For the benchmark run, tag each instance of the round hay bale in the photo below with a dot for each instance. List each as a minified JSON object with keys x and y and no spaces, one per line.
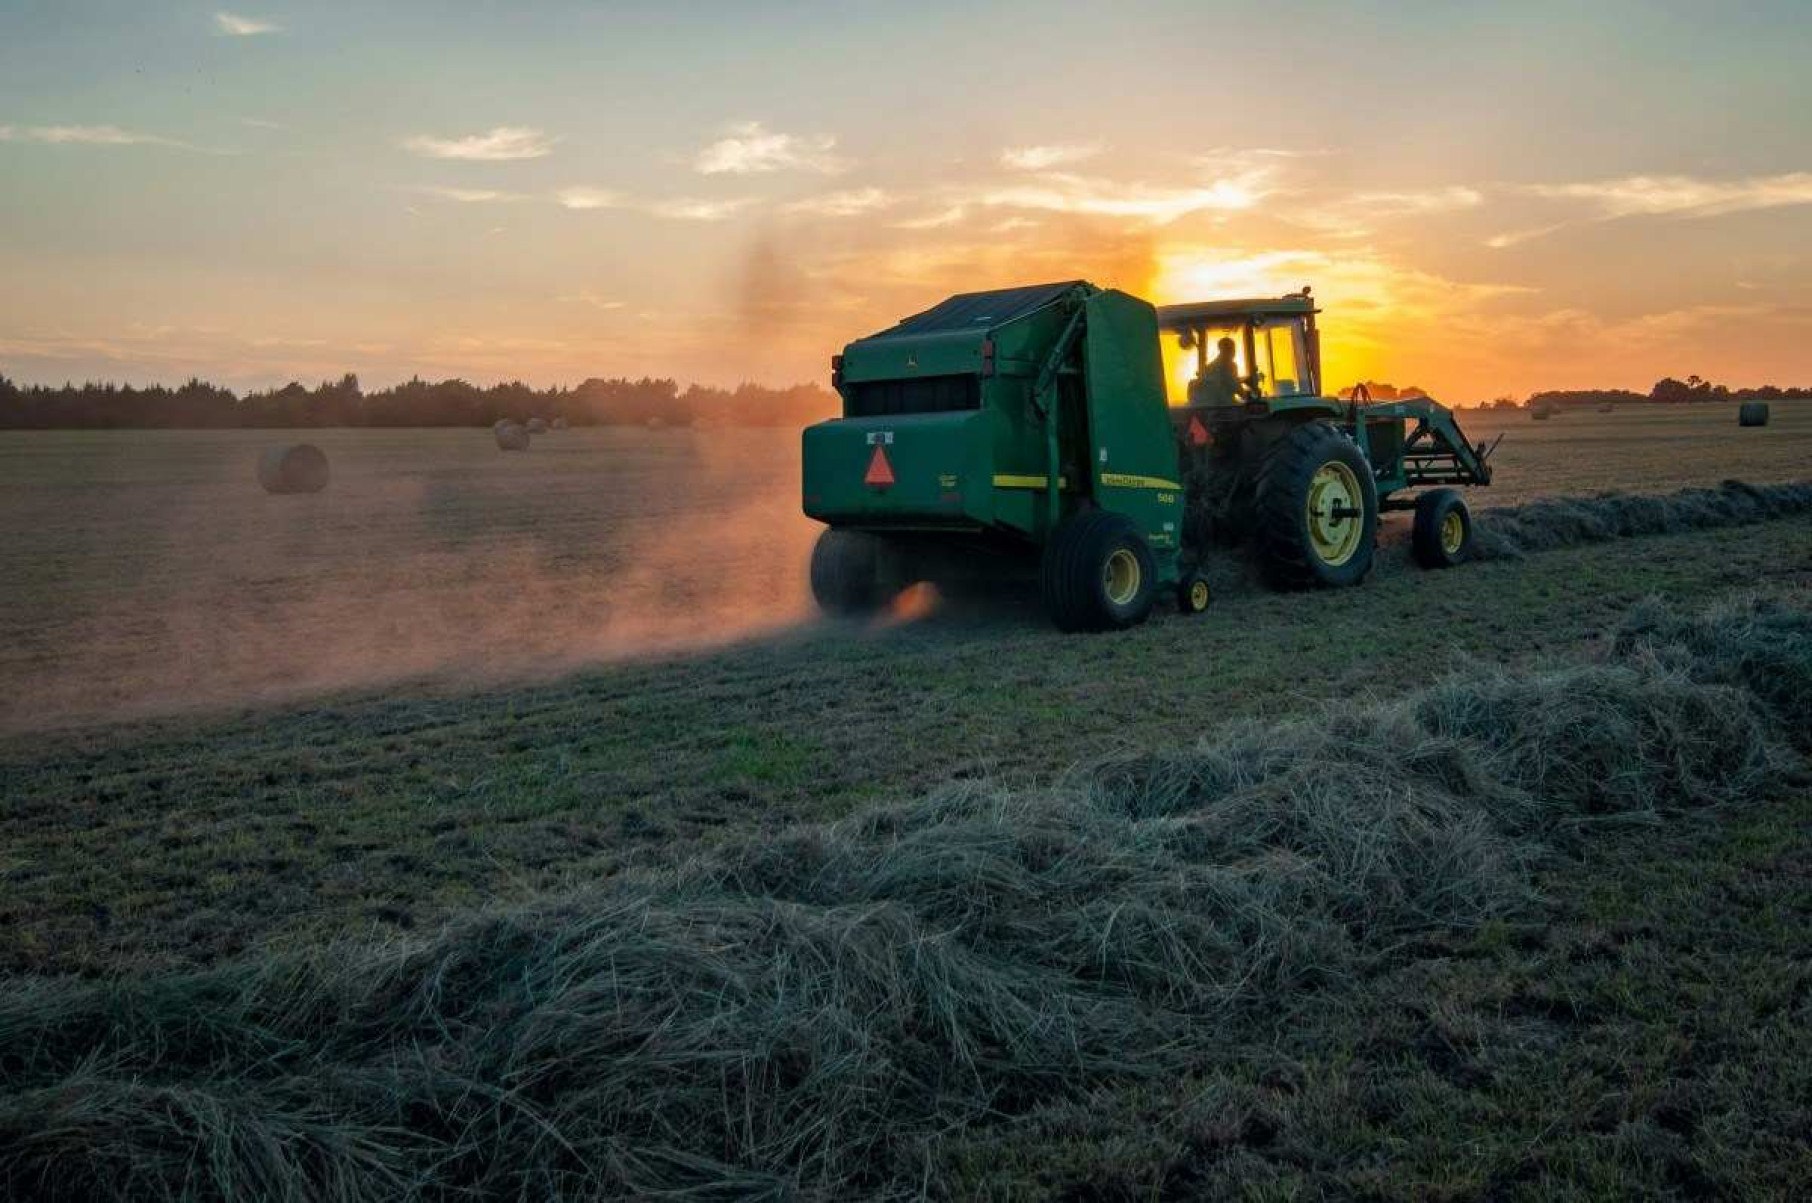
{"x":511,"y":437}
{"x":500,"y":423}
{"x":298,"y":468}
{"x":1541,"y":415}
{"x":1753,"y":413}
{"x":1607,"y":409}
{"x":537,"y":426}
{"x":557,"y":424}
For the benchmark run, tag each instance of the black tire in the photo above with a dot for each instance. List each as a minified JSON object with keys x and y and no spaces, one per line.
{"x":1442,"y":536}
{"x":1193,"y":594}
{"x":1289,"y":555}
{"x":846,"y":572}
{"x":1098,"y":574}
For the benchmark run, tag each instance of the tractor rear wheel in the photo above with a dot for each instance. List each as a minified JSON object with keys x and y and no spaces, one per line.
{"x":1316,"y":510}
{"x":846,"y":572}
{"x":1098,"y":574}
{"x":1442,"y":536}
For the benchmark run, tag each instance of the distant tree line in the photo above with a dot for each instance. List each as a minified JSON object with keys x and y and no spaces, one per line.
{"x":596,"y":402}
{"x":649,"y":401}
{"x":1379,"y":390}
{"x":1667,"y":391}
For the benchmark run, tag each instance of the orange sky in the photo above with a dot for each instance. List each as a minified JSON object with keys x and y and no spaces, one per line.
{"x":1486,"y":200}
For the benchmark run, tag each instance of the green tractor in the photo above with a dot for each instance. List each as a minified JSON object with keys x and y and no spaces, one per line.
{"x":1109,"y":443}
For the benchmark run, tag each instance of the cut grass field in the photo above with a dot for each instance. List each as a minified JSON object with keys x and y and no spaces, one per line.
{"x":144,"y":572}
{"x":1629,"y":1016}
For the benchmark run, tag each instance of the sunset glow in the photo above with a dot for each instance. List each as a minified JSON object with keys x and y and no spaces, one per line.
{"x":718,"y":194}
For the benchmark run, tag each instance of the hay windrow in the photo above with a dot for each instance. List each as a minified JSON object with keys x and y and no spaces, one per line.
{"x":1508,"y":532}
{"x":806,"y":1013}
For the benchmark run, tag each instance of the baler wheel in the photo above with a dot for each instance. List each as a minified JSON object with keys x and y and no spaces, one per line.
{"x":1193,"y":594}
{"x":1098,"y":574}
{"x":1442,"y":535}
{"x":1316,"y":516}
{"x":846,"y":572}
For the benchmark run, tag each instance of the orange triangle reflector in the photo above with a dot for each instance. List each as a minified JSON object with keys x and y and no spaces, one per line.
{"x":1198,"y":434}
{"x":880,"y":472}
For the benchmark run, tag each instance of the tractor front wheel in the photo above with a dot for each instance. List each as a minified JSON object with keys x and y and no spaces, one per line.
{"x":1442,"y":535}
{"x":1316,"y":512}
{"x":1098,"y":574}
{"x":846,"y":572}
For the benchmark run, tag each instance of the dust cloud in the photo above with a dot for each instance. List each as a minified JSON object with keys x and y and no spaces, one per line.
{"x":171,"y":583}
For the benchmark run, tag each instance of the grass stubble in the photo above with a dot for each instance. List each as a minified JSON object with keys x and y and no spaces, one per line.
{"x":858,"y":1008}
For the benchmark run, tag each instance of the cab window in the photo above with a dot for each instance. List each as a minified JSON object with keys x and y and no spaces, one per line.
{"x":1282,"y":358}
{"x":1186,"y":352}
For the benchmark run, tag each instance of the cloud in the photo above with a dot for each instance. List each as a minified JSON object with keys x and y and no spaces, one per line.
{"x":590,"y":299}
{"x":1353,"y":215}
{"x":851,"y":203}
{"x":751,"y":148}
{"x":934,"y":221}
{"x":505,"y":142}
{"x":1043,"y":158}
{"x":1432,"y":200}
{"x":259,"y":123}
{"x":1510,"y":238}
{"x":87,"y":135}
{"x":473,"y":196}
{"x":678,"y":209}
{"x":1677,"y":196}
{"x":589,"y":198}
{"x":1682,"y":196}
{"x":1099,"y":198}
{"x":686,"y":209}
{"x":235,"y":26}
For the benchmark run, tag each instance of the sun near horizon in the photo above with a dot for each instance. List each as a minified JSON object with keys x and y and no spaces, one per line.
{"x":1485,"y":200}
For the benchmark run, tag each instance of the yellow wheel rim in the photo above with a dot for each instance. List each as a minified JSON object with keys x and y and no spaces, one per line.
{"x":1198,"y":595}
{"x":1336,"y":513}
{"x":1121,"y":576}
{"x":1453,"y":532}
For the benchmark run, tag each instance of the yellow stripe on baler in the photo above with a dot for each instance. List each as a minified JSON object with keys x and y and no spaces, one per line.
{"x":1118,"y":480}
{"x":1121,"y":480}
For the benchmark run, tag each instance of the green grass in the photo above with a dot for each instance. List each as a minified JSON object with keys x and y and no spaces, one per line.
{"x":1639,"y":1029}
{"x":1299,"y":957}
{"x":176,"y":841}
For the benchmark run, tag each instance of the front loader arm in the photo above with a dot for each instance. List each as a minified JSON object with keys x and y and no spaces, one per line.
{"x":1436,"y":451}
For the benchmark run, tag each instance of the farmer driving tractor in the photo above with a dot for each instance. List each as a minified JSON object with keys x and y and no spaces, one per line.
{"x":1219,"y":382}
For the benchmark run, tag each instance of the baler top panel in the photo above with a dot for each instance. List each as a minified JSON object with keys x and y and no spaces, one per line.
{"x":979,"y":311}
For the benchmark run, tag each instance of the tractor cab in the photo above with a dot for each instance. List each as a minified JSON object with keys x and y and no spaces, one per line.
{"x":1274,"y":348}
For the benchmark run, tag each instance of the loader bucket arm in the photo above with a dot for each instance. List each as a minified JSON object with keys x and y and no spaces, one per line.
{"x":1436,"y":451}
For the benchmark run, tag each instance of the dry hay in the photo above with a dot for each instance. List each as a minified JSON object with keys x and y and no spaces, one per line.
{"x":1752,"y":413}
{"x":511,"y":437}
{"x":536,"y":426}
{"x":557,"y":424}
{"x":300,"y":468}
{"x":807,"y":1013}
{"x":1549,"y":523}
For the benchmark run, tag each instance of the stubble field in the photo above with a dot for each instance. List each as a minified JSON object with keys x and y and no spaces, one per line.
{"x":237,"y":725}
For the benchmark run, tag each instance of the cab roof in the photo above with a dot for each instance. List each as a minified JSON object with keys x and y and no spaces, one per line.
{"x":1176,"y":317}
